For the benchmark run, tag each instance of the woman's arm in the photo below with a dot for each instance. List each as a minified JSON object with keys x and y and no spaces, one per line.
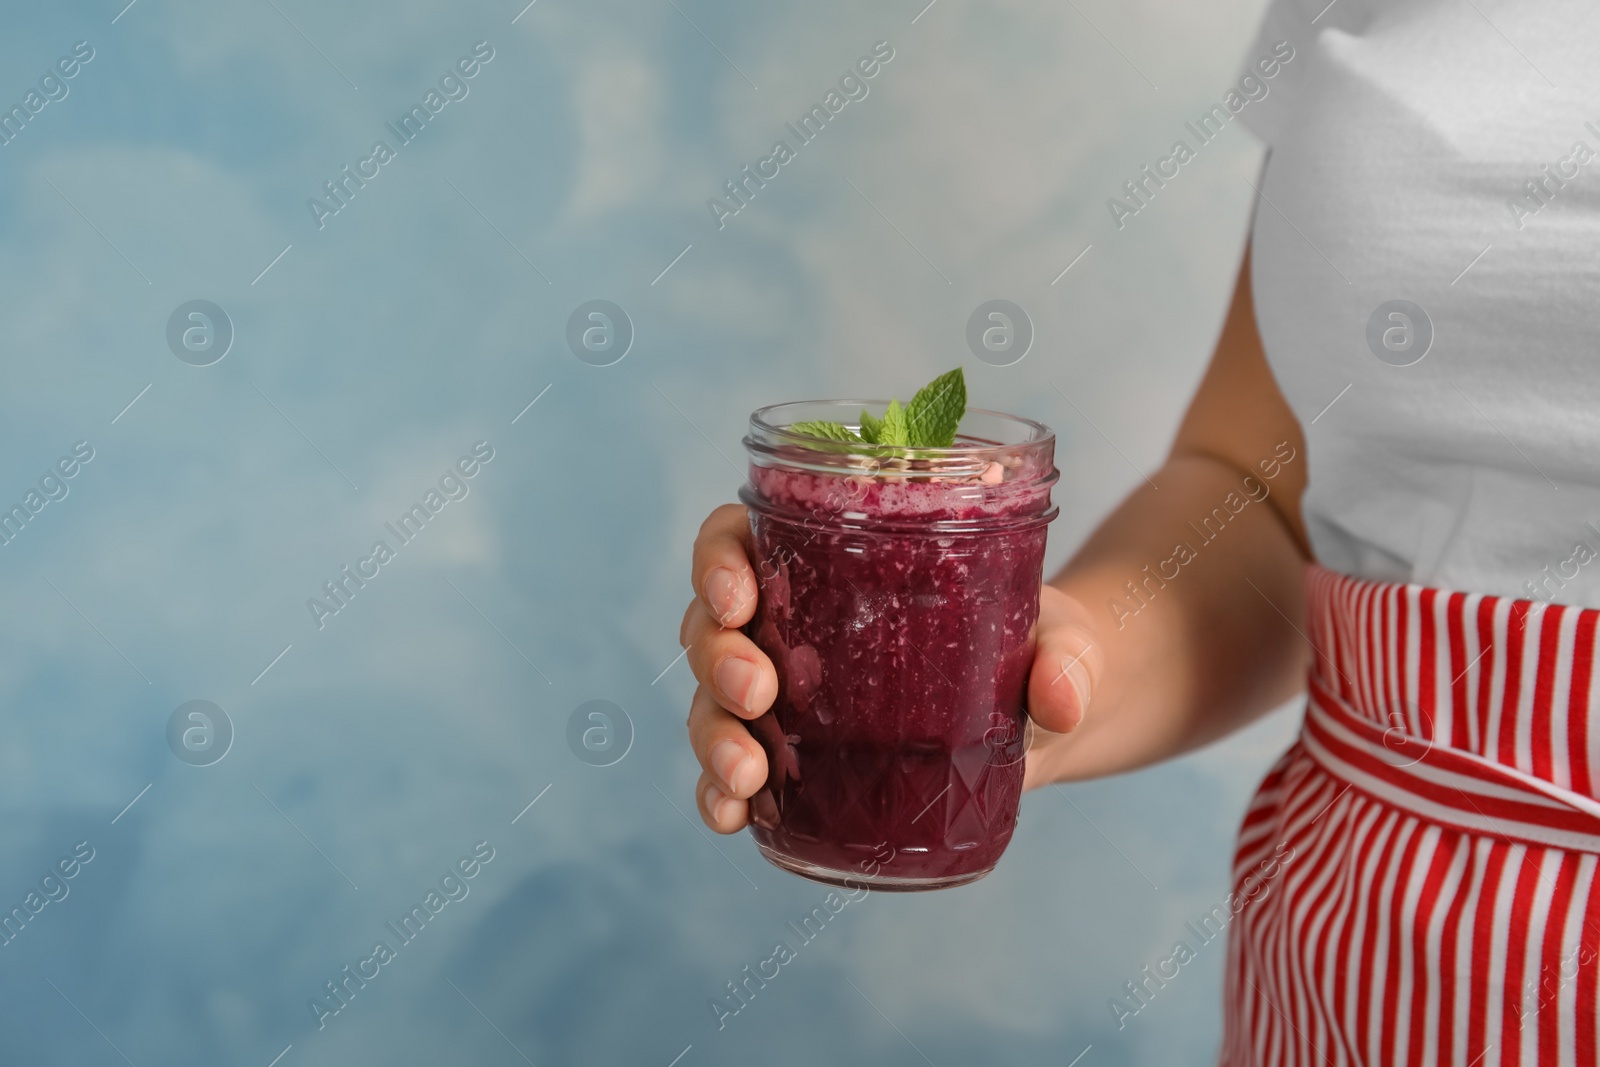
{"x":1210,"y":635}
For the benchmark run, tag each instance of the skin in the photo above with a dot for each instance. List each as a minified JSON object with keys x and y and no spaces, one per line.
{"x":1206,"y":655}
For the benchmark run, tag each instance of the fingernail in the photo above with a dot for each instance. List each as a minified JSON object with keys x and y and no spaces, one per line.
{"x":729,"y":760}
{"x":714,"y":800}
{"x":737,"y":679}
{"x":1080,"y":685}
{"x":722,"y":591}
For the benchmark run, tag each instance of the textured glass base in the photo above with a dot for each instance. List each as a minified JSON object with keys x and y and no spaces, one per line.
{"x":857,"y":879}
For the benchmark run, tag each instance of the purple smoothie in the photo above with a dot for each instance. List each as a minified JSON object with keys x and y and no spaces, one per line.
{"x":898,"y":609}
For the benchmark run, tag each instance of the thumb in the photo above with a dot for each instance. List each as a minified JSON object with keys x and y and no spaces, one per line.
{"x":1067,"y":661}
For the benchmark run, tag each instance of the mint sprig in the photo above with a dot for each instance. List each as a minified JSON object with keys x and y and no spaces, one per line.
{"x":929,"y":421}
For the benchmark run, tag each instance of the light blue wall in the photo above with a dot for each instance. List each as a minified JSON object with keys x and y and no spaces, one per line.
{"x":422,"y":318}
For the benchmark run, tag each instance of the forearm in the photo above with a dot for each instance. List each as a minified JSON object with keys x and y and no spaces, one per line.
{"x":1194,"y":592}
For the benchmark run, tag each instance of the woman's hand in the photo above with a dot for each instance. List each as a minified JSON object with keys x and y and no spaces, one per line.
{"x":738,"y":682}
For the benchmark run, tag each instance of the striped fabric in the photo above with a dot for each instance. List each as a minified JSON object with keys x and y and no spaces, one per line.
{"x":1434,"y":835}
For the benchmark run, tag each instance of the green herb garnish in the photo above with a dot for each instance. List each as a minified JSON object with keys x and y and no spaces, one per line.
{"x":831,"y":431}
{"x":929,"y":421}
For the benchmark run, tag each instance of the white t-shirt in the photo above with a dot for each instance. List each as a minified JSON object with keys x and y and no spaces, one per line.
{"x":1445,"y":153}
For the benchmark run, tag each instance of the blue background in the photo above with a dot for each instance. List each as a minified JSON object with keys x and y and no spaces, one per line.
{"x":424,"y":317}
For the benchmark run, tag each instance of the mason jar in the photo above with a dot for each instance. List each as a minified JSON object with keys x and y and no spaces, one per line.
{"x":898,"y":591}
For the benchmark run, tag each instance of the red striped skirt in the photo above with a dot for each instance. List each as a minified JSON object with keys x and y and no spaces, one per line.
{"x":1417,"y":874}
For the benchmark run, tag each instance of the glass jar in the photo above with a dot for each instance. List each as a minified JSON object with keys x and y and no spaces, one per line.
{"x":899,"y":589}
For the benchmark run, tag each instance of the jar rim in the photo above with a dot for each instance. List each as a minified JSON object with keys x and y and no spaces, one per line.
{"x":763,"y":424}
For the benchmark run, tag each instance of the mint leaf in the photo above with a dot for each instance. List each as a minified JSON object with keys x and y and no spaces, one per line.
{"x":894,"y":429}
{"x":871,"y":428}
{"x":934,"y":413}
{"x":831,"y":431}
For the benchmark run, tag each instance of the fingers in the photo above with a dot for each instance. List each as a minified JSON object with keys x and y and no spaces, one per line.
{"x":721,"y":573}
{"x":734,"y":764}
{"x":736,"y":678}
{"x":724,"y":814}
{"x":724,"y":747}
{"x":1067,"y":662}
{"x":739,"y":675}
